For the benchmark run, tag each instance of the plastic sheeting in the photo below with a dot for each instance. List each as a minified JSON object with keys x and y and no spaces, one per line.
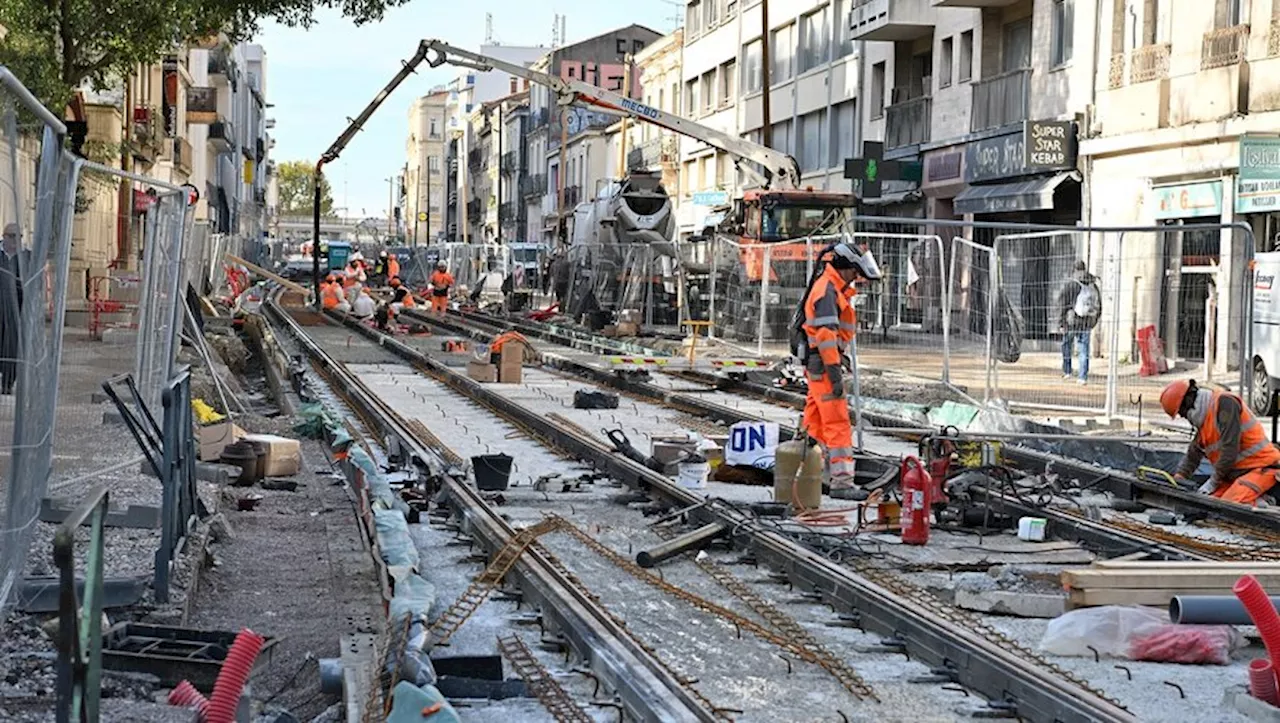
{"x":397,"y":546}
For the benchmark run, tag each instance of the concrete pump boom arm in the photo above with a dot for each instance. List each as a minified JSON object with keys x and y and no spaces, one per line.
{"x":772,"y":169}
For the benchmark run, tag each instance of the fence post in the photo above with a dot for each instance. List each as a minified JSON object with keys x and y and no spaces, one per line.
{"x":764,"y":299}
{"x":711,"y":307}
{"x":945,"y":291}
{"x":80,"y":623}
{"x":1113,"y":357}
{"x":993,"y":296}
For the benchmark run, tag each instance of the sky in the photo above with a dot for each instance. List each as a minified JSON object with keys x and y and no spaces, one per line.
{"x":319,"y":78}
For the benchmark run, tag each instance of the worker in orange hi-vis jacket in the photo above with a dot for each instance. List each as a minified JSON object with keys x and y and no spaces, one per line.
{"x":829,"y":323}
{"x":1245,"y":461}
{"x":441,"y":283}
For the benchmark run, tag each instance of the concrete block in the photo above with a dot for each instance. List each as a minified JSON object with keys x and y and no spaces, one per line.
{"x":112,"y":416}
{"x":1018,"y":604}
{"x":1237,"y":698}
{"x":221,"y":474}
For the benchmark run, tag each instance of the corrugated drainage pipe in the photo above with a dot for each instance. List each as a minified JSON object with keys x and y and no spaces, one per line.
{"x":1264,"y":614}
{"x":1211,"y":610}
{"x":233,"y":676}
{"x":186,"y":696}
{"x":1262,"y":680}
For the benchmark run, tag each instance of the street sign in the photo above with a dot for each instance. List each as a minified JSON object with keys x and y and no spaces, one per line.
{"x":871,"y":170}
{"x":422,"y":215}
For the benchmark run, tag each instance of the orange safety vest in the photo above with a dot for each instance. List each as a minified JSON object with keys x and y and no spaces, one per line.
{"x":496,"y":345}
{"x":830,"y":320}
{"x":330,"y":295}
{"x":393,"y":267}
{"x":1256,"y":451}
{"x":408,"y":299}
{"x":441,"y":279}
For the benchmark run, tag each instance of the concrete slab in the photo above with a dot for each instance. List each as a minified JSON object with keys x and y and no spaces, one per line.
{"x":1239,"y":700}
{"x":1019,"y":604}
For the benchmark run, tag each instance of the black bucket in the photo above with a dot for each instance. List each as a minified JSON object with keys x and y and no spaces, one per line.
{"x":241,"y":454}
{"x":492,"y":471}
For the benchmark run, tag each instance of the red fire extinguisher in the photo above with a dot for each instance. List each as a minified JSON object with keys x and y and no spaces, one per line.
{"x":914,"y":483}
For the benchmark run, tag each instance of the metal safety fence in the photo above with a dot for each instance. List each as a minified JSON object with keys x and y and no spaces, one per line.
{"x":605,"y":279}
{"x":38,"y":182}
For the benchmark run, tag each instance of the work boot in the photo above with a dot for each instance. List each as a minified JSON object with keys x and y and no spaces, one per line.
{"x":853,"y":493}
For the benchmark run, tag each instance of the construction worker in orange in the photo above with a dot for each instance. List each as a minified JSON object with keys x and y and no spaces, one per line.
{"x":441,"y":283}
{"x":393,"y":266}
{"x":829,"y":322}
{"x":331,"y":295}
{"x":1244,"y":460}
{"x":400,"y":296}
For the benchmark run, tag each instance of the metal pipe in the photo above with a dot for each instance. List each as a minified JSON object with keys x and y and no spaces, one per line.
{"x":693,"y":540}
{"x":1211,"y":610}
{"x":331,"y":676}
{"x":1028,"y":435}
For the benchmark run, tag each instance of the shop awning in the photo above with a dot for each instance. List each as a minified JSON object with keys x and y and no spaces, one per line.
{"x":1035,"y":194}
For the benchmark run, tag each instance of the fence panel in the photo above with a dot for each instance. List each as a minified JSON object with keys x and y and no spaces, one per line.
{"x":970,"y":323}
{"x":163,"y":294}
{"x":37,"y":199}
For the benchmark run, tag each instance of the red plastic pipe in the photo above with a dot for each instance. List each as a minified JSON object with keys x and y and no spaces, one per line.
{"x":1258,"y":604}
{"x":186,"y":696}
{"x":233,"y":676}
{"x":1262,"y":680}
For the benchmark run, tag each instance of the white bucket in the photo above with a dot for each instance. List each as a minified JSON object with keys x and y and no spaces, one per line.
{"x":693,"y":475}
{"x":1031,"y":529}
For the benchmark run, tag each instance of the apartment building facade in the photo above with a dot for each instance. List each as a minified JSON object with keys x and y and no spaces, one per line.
{"x":1185,"y":133}
{"x":652,"y":148}
{"x":571,"y":166}
{"x":425,"y":174}
{"x":813,"y":93}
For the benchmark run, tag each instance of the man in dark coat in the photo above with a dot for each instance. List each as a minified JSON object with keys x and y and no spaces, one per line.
{"x":12,"y":263}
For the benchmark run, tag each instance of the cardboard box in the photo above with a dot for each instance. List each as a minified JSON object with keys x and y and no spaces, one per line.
{"x":610,"y":330}
{"x":481,"y":372}
{"x":511,"y":364}
{"x":627,"y":328}
{"x":629,"y":316}
{"x":672,"y":449}
{"x":215,"y":437}
{"x":284,"y":455}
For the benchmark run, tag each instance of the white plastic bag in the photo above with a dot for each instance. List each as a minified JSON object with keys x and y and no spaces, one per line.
{"x":1106,"y":630}
{"x":752,"y":444}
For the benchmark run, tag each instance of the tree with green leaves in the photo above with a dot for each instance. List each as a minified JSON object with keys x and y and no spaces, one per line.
{"x":55,"y":45}
{"x":296,"y":184}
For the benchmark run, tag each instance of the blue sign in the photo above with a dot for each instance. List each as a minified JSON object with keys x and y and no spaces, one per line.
{"x":710,"y":198}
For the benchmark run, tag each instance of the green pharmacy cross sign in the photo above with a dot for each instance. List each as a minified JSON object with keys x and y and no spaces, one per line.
{"x":871,"y":169}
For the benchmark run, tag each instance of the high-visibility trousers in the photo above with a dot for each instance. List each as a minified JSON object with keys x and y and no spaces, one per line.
{"x":826,"y":419}
{"x":439,"y":304}
{"x":1248,"y":487}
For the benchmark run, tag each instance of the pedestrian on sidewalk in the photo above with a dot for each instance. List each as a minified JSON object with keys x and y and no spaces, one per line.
{"x":1080,"y":303}
{"x":13,"y":264}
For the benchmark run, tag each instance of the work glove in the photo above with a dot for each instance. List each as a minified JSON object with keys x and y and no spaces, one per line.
{"x":836,"y":376}
{"x":1208,"y":487}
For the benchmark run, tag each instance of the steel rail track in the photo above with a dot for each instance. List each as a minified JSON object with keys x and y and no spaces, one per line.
{"x":1117,"y":482}
{"x":644,"y":686}
{"x":928,"y":631}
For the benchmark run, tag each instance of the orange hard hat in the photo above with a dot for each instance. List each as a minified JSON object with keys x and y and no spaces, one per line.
{"x":1173,"y":395}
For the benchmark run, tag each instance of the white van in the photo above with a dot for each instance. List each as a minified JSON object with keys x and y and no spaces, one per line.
{"x":1266,"y":332}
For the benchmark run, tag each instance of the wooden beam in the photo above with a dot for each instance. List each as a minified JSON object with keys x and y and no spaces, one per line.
{"x":263,"y":272}
{"x":1155,"y":579}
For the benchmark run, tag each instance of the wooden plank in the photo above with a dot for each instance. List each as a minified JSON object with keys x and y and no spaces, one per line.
{"x":264,"y":272}
{"x":1185,"y":565}
{"x":1118,"y":596}
{"x":1224,"y":579}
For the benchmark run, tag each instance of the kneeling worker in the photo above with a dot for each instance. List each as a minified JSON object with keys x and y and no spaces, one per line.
{"x":1244,"y":460}
{"x":400,"y":296}
{"x":364,"y":306}
{"x":331,"y":297}
{"x":829,"y":323}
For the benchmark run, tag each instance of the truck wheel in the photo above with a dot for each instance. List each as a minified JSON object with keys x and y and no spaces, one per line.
{"x":1261,"y":400}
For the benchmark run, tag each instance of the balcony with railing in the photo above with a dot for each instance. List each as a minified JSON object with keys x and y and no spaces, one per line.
{"x":145,"y":140}
{"x":475,"y":159}
{"x":539,"y":119}
{"x":222,"y":136}
{"x":182,"y":155}
{"x":1001,"y":100}
{"x":202,"y":105}
{"x":534,"y":185}
{"x":1148,"y":63}
{"x":219,"y":65}
{"x":572,"y":197}
{"x":1224,"y":46}
{"x":475,"y":210}
{"x":653,"y":153}
{"x":907,"y":122}
{"x":891,"y":20}
{"x":511,"y":162}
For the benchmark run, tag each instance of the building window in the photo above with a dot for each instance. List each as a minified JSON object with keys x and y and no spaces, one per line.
{"x":814,"y":36}
{"x":433,"y":164}
{"x":702,"y":173}
{"x":843,"y":119}
{"x":751,"y":76}
{"x":944,"y":63}
{"x":708,"y":82}
{"x":724,"y":166}
{"x":691,"y":96}
{"x":712,"y":13}
{"x":782,"y":137}
{"x":1063,"y":30}
{"x":434,"y":132}
{"x":811,"y":141}
{"x":783,"y":53}
{"x":693,"y":18}
{"x":728,"y":82}
{"x":966,"y":56}
{"x":730,"y":9}
{"x":1228,"y":14}
{"x":877,"y":90}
